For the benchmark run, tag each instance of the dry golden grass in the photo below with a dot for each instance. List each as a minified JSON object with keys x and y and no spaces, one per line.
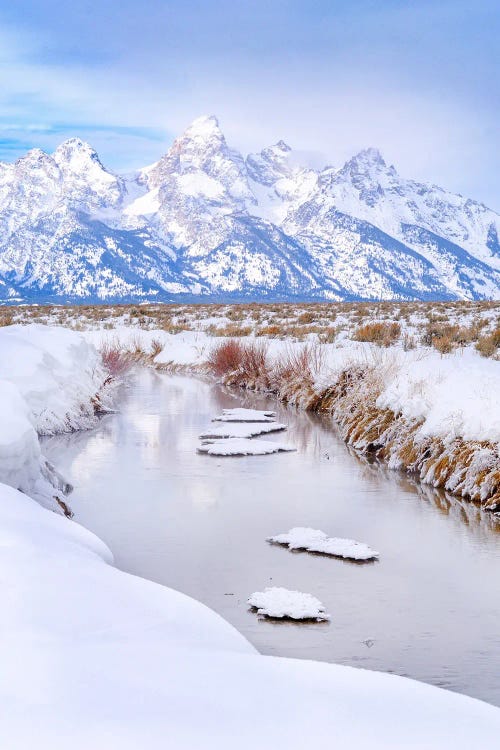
{"x":382,"y":334}
{"x":443,"y":325}
{"x":489,"y":344}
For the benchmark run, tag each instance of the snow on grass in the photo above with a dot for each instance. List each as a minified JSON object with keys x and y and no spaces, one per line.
{"x":242,"y":429}
{"x":313,"y":540}
{"x":242,"y":447}
{"x":280,"y":603}
{"x":245,"y":415}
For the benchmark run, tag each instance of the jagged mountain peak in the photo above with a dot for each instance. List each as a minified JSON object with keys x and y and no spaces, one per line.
{"x":369,"y":163}
{"x":34,"y":155}
{"x":72,"y":147}
{"x":280,"y":147}
{"x":271,"y":164}
{"x":79,"y":156}
{"x":204,"y":127}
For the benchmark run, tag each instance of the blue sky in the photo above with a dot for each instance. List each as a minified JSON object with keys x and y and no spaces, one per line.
{"x":419,"y":80}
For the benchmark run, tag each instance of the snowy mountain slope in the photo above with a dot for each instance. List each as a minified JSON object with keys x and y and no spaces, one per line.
{"x":205,"y":222}
{"x":366,"y":187}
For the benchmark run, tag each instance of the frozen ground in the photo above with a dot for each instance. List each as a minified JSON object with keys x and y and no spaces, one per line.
{"x":93,"y":657}
{"x":314,"y":540}
{"x":280,"y":603}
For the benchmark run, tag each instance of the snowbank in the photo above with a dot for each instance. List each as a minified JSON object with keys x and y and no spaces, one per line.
{"x":50,"y":379}
{"x":453,"y":394}
{"x":93,"y":657}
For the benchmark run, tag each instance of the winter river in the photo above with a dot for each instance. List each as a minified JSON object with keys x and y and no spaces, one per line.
{"x":428,"y":609}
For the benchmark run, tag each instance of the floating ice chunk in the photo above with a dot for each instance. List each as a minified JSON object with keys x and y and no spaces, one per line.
{"x":242,"y":447}
{"x":242,"y":429}
{"x":292,"y":605}
{"x":313,"y":540}
{"x":245,"y":415}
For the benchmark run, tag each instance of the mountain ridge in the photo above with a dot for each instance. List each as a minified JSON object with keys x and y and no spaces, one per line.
{"x":205,"y":222}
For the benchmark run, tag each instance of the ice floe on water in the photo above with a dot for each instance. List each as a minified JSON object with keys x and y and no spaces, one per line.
{"x":277,"y":602}
{"x":242,"y":429}
{"x":245,"y":415}
{"x":242,"y":447}
{"x":314,"y":540}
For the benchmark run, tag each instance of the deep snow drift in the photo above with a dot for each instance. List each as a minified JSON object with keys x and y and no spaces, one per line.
{"x":51,"y":381}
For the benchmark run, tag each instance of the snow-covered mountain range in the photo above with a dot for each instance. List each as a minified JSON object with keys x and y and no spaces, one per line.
{"x":204,"y":222}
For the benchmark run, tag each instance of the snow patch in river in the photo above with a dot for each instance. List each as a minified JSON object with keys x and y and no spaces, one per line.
{"x":245,"y":415}
{"x":285,"y":604}
{"x":242,"y":429}
{"x":242,"y":447}
{"x":314,"y":540}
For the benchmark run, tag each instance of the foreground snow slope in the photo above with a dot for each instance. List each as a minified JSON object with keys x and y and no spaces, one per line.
{"x":95,"y":658}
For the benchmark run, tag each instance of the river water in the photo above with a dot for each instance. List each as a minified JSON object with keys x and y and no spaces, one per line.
{"x":428,"y":609}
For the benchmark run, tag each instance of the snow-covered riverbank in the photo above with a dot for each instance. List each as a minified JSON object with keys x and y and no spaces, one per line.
{"x":51,"y":381}
{"x":434,"y":415}
{"x":94,"y":657}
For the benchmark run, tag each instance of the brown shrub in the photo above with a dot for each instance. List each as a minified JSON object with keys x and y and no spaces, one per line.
{"x":273,"y":331}
{"x":254,"y":368}
{"x":6,"y":319}
{"x":306,"y":317}
{"x":382,"y":334}
{"x":115,"y":360}
{"x":231,"y":330}
{"x":225,"y":358}
{"x":489,"y":344}
{"x":327,"y":336}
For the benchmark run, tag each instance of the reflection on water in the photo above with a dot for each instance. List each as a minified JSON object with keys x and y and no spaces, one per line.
{"x":429,"y":609}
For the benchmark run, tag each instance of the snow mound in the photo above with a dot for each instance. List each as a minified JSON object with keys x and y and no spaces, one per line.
{"x":314,"y":540}
{"x":51,"y":380}
{"x":245,"y":415}
{"x":292,"y":605}
{"x":242,"y":429}
{"x":242,"y":447}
